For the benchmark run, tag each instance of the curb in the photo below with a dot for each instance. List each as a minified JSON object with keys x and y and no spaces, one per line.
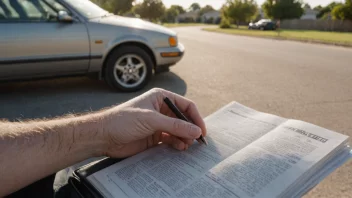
{"x":286,"y":39}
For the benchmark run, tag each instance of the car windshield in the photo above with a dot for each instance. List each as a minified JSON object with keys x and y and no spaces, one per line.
{"x":87,"y":8}
{"x":264,"y":21}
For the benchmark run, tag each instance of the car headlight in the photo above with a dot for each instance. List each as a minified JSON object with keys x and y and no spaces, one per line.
{"x":173,"y":41}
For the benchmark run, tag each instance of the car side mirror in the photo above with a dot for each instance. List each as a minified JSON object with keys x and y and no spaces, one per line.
{"x":63,"y":16}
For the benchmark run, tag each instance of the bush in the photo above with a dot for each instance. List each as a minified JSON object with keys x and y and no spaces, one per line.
{"x":218,"y":20}
{"x":210,"y":20}
{"x":189,"y":20}
{"x":225,"y":23}
{"x":186,"y":20}
{"x":198,"y":20}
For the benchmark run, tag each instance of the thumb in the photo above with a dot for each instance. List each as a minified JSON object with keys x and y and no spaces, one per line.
{"x":176,"y":127}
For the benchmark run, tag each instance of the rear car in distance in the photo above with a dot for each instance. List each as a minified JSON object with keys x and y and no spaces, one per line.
{"x":263,"y":24}
{"x":49,"y":38}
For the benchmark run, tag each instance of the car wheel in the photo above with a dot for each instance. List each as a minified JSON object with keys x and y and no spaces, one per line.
{"x":128,"y":69}
{"x":261,"y":28}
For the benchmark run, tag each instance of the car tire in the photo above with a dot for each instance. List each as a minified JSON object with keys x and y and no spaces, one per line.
{"x":262,"y":28}
{"x":129,"y":68}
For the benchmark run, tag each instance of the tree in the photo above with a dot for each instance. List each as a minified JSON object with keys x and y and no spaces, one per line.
{"x":257,"y":16}
{"x":205,"y":9}
{"x":348,"y":9}
{"x":122,"y":6}
{"x":172,"y":13}
{"x":343,"y":11}
{"x":180,"y":9}
{"x":99,"y":2}
{"x":150,"y":9}
{"x":115,"y":6}
{"x":338,"y":12}
{"x":318,"y":8}
{"x":194,"y":7}
{"x":240,"y":10}
{"x":225,"y":21}
{"x":283,"y":9}
{"x":103,"y":4}
{"x":306,"y":6}
{"x":324,"y":11}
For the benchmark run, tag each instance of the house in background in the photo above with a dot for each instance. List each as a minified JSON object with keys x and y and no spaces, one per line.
{"x":212,"y":15}
{"x":309,"y":14}
{"x":187,"y":17}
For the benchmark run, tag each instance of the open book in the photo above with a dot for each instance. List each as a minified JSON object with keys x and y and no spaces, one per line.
{"x":250,"y":154}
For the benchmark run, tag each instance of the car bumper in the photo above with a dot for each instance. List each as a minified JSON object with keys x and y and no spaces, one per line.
{"x":169,"y":55}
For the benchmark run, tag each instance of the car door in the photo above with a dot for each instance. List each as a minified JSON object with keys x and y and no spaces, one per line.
{"x":34,"y":43}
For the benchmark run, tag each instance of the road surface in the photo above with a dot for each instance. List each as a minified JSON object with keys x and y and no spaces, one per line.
{"x":296,"y":80}
{"x":309,"y":82}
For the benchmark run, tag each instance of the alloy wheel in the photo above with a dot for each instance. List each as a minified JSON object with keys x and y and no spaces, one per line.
{"x":130,"y":70}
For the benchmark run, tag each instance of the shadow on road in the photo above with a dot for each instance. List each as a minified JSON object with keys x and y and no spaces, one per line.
{"x":57,"y":97}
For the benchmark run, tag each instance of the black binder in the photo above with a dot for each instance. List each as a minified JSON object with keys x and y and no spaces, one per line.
{"x":80,"y":182}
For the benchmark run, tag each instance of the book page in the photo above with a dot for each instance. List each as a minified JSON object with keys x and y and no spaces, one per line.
{"x":165,"y":172}
{"x":273,"y":164}
{"x":321,"y":173}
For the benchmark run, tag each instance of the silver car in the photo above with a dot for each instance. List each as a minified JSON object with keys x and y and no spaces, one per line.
{"x":47,"y":38}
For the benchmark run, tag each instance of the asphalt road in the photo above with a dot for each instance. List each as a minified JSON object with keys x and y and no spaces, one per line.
{"x":303,"y":81}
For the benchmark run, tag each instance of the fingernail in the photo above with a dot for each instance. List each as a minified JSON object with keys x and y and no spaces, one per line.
{"x":195,"y":131}
{"x":180,"y":146}
{"x":175,"y":145}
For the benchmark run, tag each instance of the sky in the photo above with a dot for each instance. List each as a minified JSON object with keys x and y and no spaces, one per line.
{"x":218,"y":3}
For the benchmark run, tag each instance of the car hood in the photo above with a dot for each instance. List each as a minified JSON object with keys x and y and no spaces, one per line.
{"x":133,"y":23}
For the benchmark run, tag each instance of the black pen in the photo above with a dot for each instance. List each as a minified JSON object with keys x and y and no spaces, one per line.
{"x":179,"y":115}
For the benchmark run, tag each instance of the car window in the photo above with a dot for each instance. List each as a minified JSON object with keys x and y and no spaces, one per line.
{"x":26,"y":10}
{"x":8,"y":11}
{"x":2,"y":13}
{"x":87,"y":8}
{"x":57,"y":6}
{"x":31,"y":9}
{"x":48,"y":10}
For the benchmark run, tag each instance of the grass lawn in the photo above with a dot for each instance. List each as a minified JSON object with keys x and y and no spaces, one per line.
{"x":183,"y":24}
{"x":302,"y":35}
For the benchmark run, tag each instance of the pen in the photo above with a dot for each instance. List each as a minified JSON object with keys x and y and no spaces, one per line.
{"x":179,"y":115}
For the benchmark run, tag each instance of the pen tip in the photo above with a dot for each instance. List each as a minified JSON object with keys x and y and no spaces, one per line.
{"x":203,"y":140}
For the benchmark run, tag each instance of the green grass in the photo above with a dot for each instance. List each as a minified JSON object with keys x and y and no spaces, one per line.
{"x":183,"y":24}
{"x":338,"y":38}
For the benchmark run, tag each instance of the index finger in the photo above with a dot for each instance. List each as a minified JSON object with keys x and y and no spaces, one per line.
{"x":186,"y":106}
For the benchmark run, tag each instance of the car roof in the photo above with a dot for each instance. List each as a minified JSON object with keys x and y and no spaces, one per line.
{"x":265,"y":20}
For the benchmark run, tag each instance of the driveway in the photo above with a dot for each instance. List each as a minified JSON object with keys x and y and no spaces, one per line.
{"x":296,"y":80}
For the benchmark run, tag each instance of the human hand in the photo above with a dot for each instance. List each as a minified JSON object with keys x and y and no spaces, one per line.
{"x":146,"y":121}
